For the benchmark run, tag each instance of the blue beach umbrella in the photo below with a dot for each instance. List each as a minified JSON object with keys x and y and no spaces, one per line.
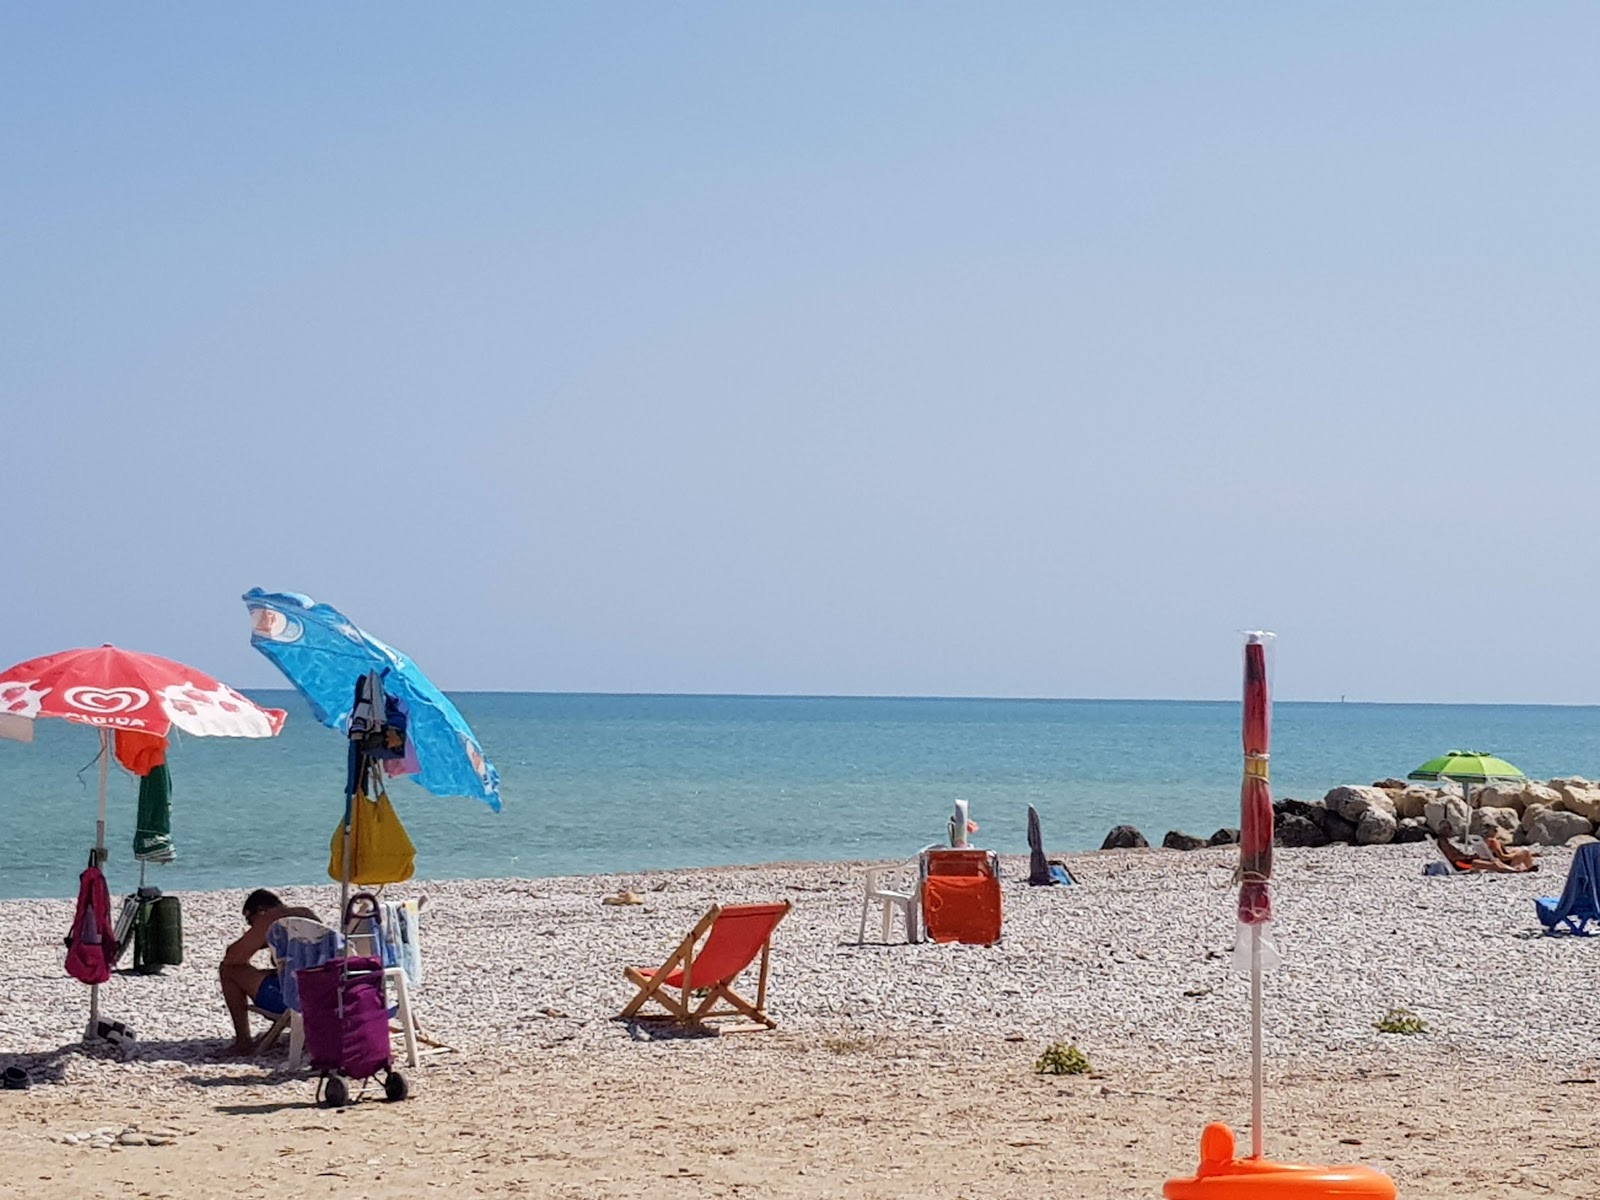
{"x":324,"y":654}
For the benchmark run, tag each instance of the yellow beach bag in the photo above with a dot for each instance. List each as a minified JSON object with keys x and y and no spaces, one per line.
{"x":382,"y":852}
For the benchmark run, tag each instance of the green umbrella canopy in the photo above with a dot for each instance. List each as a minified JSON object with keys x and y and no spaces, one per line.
{"x":1467,"y":766}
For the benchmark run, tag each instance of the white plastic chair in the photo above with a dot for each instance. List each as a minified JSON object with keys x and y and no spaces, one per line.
{"x":887,"y":901}
{"x":363,"y":938}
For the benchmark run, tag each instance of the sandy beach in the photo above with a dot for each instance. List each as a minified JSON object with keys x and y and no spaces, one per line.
{"x":896,"y":1070}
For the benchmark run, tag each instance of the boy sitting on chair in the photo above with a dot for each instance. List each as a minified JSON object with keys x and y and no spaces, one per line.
{"x":244,"y":983}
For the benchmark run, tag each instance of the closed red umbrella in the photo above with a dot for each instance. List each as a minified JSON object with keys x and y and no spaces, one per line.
{"x":1255,"y":792}
{"x":1221,"y":1174}
{"x":1255,"y":852}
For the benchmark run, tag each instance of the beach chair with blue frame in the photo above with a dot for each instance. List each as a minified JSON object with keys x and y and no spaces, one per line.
{"x":1579,"y":902}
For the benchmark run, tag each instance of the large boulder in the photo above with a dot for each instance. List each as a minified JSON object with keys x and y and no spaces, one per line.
{"x":1352,"y":803}
{"x":1295,"y":830}
{"x":1335,"y":828}
{"x":1411,"y":829}
{"x":1579,"y":796}
{"x":1181,"y":841}
{"x":1498,"y":823}
{"x":1532,"y":811}
{"x":1224,"y":837}
{"x":1124,"y":837}
{"x":1446,"y":809}
{"x":1572,"y":781}
{"x":1390,"y":785}
{"x":1410,"y":802}
{"x":1503,"y":795}
{"x":1300,"y":808}
{"x":1376,"y":827}
{"x":1538,"y":793}
{"x":1543,"y":826}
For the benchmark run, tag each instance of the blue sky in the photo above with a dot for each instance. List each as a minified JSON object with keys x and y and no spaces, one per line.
{"x":846,"y":348}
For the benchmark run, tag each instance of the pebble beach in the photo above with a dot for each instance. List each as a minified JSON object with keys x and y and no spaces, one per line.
{"x":523,"y":979}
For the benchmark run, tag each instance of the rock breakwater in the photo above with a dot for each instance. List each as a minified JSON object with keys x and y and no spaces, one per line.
{"x":1559,"y":812}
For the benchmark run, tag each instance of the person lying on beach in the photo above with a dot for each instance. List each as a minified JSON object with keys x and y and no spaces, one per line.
{"x":244,"y":983}
{"x":1515,"y":858}
{"x":1483,"y":854}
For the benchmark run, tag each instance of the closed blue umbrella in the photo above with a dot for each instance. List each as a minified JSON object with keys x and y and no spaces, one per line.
{"x":324,"y":654}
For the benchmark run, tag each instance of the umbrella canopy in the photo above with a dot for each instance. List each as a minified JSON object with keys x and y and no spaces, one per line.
{"x":1467,"y":766}
{"x":324,"y":654}
{"x":122,"y":689}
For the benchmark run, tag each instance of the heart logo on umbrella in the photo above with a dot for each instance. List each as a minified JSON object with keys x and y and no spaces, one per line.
{"x":106,"y":700}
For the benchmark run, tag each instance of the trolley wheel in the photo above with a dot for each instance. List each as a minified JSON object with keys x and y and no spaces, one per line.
{"x":395,"y":1087}
{"x":335,"y":1092}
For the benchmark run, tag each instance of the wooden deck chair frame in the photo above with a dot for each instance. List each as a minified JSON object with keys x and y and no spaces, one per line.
{"x":684,"y":1008}
{"x":269,"y":1039}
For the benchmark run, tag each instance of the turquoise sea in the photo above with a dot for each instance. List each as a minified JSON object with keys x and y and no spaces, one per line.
{"x":597,"y":783}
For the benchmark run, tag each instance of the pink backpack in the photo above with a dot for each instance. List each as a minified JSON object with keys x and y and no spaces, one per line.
{"x":91,"y":946}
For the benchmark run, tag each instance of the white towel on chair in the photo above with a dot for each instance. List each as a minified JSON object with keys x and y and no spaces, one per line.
{"x":402,"y":940}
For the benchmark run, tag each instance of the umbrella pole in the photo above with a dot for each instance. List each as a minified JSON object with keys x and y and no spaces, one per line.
{"x":1257,"y":1063}
{"x":100,"y":816}
{"x":344,"y":869}
{"x":349,"y":830}
{"x":97,"y":858}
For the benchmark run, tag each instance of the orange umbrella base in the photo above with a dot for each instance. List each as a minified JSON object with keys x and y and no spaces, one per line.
{"x":1223,"y":1177}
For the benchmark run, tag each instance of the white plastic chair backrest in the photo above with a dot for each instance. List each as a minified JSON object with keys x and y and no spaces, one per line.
{"x":297,"y":943}
{"x":958,"y":825}
{"x":402,"y":937}
{"x":392,"y":936}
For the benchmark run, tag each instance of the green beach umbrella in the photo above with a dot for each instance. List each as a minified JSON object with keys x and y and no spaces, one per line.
{"x":152,"y":832}
{"x":1468,"y":767}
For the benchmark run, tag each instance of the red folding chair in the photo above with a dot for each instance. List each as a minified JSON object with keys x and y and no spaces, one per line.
{"x":693,"y":982}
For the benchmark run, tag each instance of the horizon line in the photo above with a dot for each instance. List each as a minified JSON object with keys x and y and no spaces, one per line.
{"x":959,"y":698}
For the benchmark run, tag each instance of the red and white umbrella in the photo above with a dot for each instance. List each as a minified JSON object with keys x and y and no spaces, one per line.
{"x":118,"y":690}
{"x":121,"y":689}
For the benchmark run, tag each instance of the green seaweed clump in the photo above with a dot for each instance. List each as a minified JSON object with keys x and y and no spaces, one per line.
{"x":1061,"y":1059}
{"x":1401,"y":1020}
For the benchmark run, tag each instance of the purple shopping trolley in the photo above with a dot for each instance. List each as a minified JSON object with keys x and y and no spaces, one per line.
{"x":346,"y":1021}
